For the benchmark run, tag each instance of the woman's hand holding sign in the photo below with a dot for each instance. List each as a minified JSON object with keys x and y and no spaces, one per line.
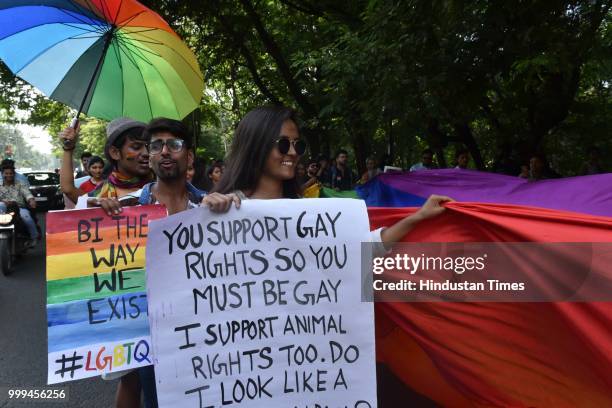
{"x":220,"y":203}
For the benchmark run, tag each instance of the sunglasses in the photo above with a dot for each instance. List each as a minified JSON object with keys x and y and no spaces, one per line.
{"x":284,"y":144}
{"x":174,"y":146}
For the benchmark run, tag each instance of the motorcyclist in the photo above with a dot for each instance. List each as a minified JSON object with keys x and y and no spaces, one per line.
{"x":19,"y":177}
{"x":16,"y":195}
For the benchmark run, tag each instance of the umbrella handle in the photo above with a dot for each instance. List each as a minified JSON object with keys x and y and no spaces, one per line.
{"x":69,"y":144}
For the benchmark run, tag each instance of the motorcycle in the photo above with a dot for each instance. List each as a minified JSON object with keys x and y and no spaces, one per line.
{"x":13,"y":239}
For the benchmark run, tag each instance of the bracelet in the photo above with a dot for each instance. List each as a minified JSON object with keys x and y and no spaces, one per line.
{"x":68,"y":145}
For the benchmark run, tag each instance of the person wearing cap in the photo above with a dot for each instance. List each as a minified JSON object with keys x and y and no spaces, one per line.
{"x":168,"y":154}
{"x":126,"y":150}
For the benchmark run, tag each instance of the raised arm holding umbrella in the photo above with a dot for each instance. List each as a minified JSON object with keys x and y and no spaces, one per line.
{"x":105,"y":58}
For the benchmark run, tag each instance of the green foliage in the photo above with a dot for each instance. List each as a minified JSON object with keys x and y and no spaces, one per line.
{"x":93,"y":136}
{"x":504,"y":79}
{"x":16,"y":96}
{"x":23,"y":154}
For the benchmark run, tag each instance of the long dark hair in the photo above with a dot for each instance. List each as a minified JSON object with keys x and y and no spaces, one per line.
{"x":253,"y":140}
{"x":199,"y":175}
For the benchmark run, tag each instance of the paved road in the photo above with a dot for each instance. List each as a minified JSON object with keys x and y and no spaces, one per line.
{"x":23,"y":339}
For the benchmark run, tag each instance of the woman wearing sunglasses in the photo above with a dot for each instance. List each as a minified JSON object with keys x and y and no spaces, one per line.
{"x":263,"y":156}
{"x":262,"y":161}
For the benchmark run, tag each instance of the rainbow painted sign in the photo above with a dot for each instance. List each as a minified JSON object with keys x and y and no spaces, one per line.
{"x":97,"y":313}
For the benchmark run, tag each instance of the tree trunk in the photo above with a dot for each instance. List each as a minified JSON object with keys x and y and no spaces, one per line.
{"x":362,"y":148}
{"x":313,"y":138}
{"x":193,"y":121}
{"x":467,"y":138}
{"x":248,"y":59}
{"x":437,"y":141}
{"x":284,"y":69}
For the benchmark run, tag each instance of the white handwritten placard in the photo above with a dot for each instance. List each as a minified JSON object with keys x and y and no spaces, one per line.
{"x":261,"y":307}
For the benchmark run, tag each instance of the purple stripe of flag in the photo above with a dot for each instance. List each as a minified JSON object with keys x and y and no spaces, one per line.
{"x":587,"y":194}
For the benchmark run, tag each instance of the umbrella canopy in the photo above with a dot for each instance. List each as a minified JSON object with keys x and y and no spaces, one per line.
{"x":107,"y":58}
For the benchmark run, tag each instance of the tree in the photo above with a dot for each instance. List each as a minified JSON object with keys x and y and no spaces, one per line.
{"x":23,"y":154}
{"x":503,"y":79}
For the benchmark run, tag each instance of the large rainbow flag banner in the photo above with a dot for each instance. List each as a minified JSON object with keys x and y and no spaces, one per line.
{"x":96,"y":299}
{"x":487,"y":354}
{"x":586,"y":194}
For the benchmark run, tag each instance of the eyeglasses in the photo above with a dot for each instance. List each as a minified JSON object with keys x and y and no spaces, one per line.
{"x":174,"y":146}
{"x":284,"y":144}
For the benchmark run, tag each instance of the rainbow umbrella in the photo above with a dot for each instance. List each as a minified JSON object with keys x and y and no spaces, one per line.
{"x":106,"y":58}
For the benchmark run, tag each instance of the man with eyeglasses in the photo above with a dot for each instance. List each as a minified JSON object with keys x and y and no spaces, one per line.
{"x":170,"y":154}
